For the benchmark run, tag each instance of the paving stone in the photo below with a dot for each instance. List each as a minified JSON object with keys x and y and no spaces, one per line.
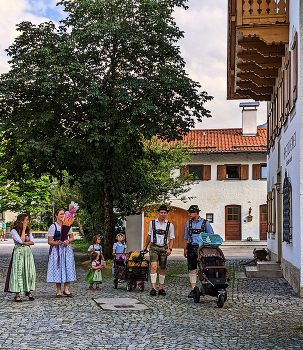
{"x":259,"y":314}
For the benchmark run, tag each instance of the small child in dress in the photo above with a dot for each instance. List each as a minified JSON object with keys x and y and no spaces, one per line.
{"x":96,"y":247}
{"x":119,"y":249}
{"x":94,"y":275}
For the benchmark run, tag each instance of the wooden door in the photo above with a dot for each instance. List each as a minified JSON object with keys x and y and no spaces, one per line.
{"x":233,"y":222}
{"x":263,"y":222}
{"x":176,"y":216}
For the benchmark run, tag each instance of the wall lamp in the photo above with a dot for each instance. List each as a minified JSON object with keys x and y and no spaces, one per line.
{"x":249,"y":217}
{"x":278,"y":187}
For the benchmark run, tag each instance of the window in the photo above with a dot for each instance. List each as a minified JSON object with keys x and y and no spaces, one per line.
{"x":199,"y":172}
{"x":210,"y":217}
{"x":196,"y":171}
{"x":264,"y":213}
{"x":233,"y":214}
{"x":232,"y":172}
{"x":263,"y":171}
{"x":259,"y":171}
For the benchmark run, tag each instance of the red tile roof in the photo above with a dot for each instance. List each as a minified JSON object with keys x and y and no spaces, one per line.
{"x":225,"y":140}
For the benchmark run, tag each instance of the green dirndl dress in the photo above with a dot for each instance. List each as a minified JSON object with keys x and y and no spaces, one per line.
{"x":21,"y":276}
{"x":93,"y":277}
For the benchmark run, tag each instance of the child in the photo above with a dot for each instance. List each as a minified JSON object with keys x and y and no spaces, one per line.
{"x":119,"y":249}
{"x":94,"y":275}
{"x":96,"y":247}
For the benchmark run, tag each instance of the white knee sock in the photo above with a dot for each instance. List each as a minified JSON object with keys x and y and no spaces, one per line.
{"x":193,"y":278}
{"x":161,"y":279}
{"x":153,"y":277}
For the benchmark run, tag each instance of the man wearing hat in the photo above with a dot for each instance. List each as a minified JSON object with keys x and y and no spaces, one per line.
{"x":161,"y":236}
{"x":194,"y":226}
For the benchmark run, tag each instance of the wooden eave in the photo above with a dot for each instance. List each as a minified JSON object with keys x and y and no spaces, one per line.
{"x":257,"y":34}
{"x":259,"y":81}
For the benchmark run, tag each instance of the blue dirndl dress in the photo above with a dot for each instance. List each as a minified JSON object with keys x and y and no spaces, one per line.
{"x":61,"y":262}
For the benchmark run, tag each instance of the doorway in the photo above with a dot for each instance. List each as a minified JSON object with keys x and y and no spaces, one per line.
{"x":263,"y":222}
{"x":233,"y":222}
{"x":178,"y":218}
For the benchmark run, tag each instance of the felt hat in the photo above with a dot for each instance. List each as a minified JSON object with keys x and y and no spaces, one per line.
{"x":193,"y":209}
{"x":163,"y":207}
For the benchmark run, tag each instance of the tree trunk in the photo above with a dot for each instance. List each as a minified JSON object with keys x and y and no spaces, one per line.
{"x":109,"y":229}
{"x":80,"y":227}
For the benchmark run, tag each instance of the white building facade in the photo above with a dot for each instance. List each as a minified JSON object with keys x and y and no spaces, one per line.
{"x":273,"y":43}
{"x":230,"y":181}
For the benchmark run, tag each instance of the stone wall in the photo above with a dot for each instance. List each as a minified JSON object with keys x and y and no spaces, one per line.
{"x":290,"y":273}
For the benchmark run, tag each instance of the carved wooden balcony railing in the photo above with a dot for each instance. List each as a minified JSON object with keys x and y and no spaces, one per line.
{"x":258,"y":31}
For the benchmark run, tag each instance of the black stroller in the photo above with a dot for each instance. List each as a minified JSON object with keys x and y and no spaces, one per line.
{"x":212,"y":270}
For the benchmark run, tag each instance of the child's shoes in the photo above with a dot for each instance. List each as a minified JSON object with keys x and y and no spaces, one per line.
{"x":98,"y":288}
{"x":91,"y":288}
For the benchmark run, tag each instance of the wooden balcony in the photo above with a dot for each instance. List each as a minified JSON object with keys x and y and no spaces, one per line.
{"x":258,"y":31}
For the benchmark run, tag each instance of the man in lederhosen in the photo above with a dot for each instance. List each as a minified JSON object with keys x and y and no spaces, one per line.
{"x":194,"y":226}
{"x":161,"y":236}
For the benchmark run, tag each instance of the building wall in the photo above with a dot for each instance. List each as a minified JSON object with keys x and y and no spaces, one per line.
{"x":291,"y":163}
{"x":300,"y":105}
{"x":212,"y":196}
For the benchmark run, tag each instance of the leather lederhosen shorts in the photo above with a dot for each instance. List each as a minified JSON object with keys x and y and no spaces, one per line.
{"x":157,"y":254}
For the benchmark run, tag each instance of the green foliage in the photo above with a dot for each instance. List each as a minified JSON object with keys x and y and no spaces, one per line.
{"x":85,"y":98}
{"x":65,"y":190}
{"x":79,"y":244}
{"x":28,"y":195}
{"x":157,"y":174}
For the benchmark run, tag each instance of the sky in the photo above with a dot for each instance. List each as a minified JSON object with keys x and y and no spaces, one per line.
{"x":204,"y":48}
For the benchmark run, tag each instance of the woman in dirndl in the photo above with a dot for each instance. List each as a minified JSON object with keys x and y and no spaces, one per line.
{"x":61,"y":262}
{"x":21,"y":275}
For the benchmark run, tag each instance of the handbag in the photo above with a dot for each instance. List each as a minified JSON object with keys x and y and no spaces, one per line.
{"x":97,"y":276}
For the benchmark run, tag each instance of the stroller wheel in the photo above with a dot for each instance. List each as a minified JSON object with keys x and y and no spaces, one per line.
{"x":220,"y":300}
{"x":115,"y":283}
{"x":129,"y":286}
{"x":196,"y":295}
{"x":225,"y":296}
{"x":141,"y":286}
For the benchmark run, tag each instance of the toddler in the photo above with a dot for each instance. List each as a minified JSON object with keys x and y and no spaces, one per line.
{"x":119,"y":249}
{"x":96,"y":247}
{"x":94,"y":275}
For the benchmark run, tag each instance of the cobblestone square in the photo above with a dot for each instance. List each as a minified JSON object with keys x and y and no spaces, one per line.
{"x":259,"y":313}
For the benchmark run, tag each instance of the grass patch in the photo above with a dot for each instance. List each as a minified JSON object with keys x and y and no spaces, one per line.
{"x":176,"y":268}
{"x":80,"y":245}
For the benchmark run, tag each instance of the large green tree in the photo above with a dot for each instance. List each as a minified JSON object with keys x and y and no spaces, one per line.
{"x":29,"y":195}
{"x":86,"y":96}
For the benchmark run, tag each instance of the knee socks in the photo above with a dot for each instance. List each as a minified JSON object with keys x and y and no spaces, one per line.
{"x":193,"y":278}
{"x":161,"y":279}
{"x":153,"y":278}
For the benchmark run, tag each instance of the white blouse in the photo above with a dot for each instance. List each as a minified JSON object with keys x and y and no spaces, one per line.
{"x":51,"y":230}
{"x":16,"y":237}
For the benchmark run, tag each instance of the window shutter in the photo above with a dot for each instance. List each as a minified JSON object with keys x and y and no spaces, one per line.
{"x":206,"y":170}
{"x":269,"y":212}
{"x":273,"y":221}
{"x":256,"y":174}
{"x":221,"y":172}
{"x":295,"y":67}
{"x":244,"y":172}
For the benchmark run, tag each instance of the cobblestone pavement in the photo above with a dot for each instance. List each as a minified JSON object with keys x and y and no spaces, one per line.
{"x":259,"y":314}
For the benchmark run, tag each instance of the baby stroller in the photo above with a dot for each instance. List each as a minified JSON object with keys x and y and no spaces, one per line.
{"x":212,"y":270}
{"x":131,"y":268}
